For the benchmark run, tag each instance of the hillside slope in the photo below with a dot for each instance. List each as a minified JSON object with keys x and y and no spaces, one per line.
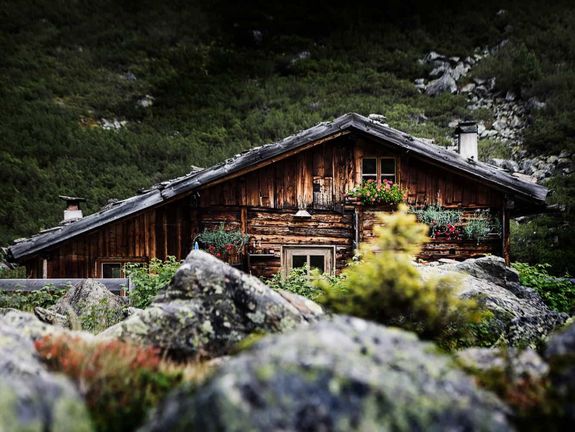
{"x":100,"y":98}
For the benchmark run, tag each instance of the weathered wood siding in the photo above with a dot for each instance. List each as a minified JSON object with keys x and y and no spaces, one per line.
{"x":270,"y":229}
{"x":158,"y":232}
{"x":262,"y":203}
{"x":326,"y":171}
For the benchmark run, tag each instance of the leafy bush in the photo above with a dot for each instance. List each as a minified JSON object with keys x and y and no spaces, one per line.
{"x":13,"y":273}
{"x":493,"y":149}
{"x":370,"y":193}
{"x":99,"y":317}
{"x":148,"y":279}
{"x":515,"y":66}
{"x":120,"y":382}
{"x":386,"y":287}
{"x":302,"y":281}
{"x":558,"y":293}
{"x":221,"y":243}
{"x":28,"y":300}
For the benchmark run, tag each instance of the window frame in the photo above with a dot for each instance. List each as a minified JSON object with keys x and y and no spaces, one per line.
{"x":328,"y":251}
{"x":100,"y":262}
{"x":378,"y":176}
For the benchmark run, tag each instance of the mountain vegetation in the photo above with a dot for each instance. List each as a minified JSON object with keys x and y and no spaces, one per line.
{"x":101,"y":98}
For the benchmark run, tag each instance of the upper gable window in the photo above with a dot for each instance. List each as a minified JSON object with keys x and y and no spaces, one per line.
{"x":379,"y":169}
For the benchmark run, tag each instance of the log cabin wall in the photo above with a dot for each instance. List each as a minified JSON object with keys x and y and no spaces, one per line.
{"x":263,"y":202}
{"x":158,"y":232}
{"x":318,"y":180}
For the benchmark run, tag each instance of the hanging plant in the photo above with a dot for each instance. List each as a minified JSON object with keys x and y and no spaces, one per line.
{"x":221,"y":243}
{"x":371,"y":193}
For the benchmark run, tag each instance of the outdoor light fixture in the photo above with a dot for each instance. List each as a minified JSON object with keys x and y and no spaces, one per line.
{"x":302,"y":213}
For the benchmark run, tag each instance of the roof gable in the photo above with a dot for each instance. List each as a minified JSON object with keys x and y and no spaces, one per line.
{"x":257,"y":156}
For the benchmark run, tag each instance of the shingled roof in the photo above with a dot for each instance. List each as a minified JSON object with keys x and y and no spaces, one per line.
{"x":530,"y":193}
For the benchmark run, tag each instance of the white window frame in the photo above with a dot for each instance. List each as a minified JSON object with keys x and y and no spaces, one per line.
{"x":328,"y":251}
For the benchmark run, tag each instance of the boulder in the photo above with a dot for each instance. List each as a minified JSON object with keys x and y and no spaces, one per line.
{"x":445,"y":83}
{"x":26,"y":323}
{"x":520,"y":316}
{"x":89,"y":305}
{"x":31,"y":398}
{"x":209,"y":307}
{"x":340,"y":374}
{"x":512,"y":363}
{"x":560,"y":353}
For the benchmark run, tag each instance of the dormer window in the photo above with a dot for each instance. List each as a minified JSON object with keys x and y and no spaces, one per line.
{"x":379,"y":169}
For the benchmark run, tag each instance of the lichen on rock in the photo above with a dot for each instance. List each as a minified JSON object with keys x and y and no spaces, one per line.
{"x":339,"y":374}
{"x":208,"y":308}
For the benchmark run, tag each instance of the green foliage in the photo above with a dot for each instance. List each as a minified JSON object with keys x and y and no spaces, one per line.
{"x":386,"y":287}
{"x":28,"y":300}
{"x":304,"y":282}
{"x":558,"y":293}
{"x":66,"y":66}
{"x":493,"y":149}
{"x":515,"y":66}
{"x":222,"y":243}
{"x":435,"y":215}
{"x":13,"y":273}
{"x":442,"y":222}
{"x":120,"y":382}
{"x":99,"y":317}
{"x":371,"y":193}
{"x":481,"y":226}
{"x":149,"y":278}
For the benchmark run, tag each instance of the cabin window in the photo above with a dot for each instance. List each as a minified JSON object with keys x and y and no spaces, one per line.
{"x":112,"y":270}
{"x":313,"y":257}
{"x":379,"y":169}
{"x":113,"y":267}
{"x":387,"y":169}
{"x":369,"y":169}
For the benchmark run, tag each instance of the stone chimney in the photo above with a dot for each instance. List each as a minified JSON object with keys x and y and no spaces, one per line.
{"x":72,"y":211}
{"x":466,"y":139}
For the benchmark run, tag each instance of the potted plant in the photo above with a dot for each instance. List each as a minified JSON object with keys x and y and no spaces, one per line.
{"x":371,"y":193}
{"x":443,"y":223}
{"x":225,"y":245}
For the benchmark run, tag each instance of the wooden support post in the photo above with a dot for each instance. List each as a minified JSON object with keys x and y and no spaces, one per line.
{"x":44,"y":268}
{"x":506,"y":237}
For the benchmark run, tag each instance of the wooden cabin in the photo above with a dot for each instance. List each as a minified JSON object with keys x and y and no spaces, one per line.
{"x":291,"y":199}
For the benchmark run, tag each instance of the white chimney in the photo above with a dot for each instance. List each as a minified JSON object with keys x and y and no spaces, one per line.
{"x":73,"y":211}
{"x":466,"y":134}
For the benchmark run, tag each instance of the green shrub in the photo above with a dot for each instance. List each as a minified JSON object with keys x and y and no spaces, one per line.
{"x":99,"y":317}
{"x":13,"y":273}
{"x":28,"y":300}
{"x":493,"y":149}
{"x":303,"y":282}
{"x":148,"y":279}
{"x":558,"y":293}
{"x":386,"y":287}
